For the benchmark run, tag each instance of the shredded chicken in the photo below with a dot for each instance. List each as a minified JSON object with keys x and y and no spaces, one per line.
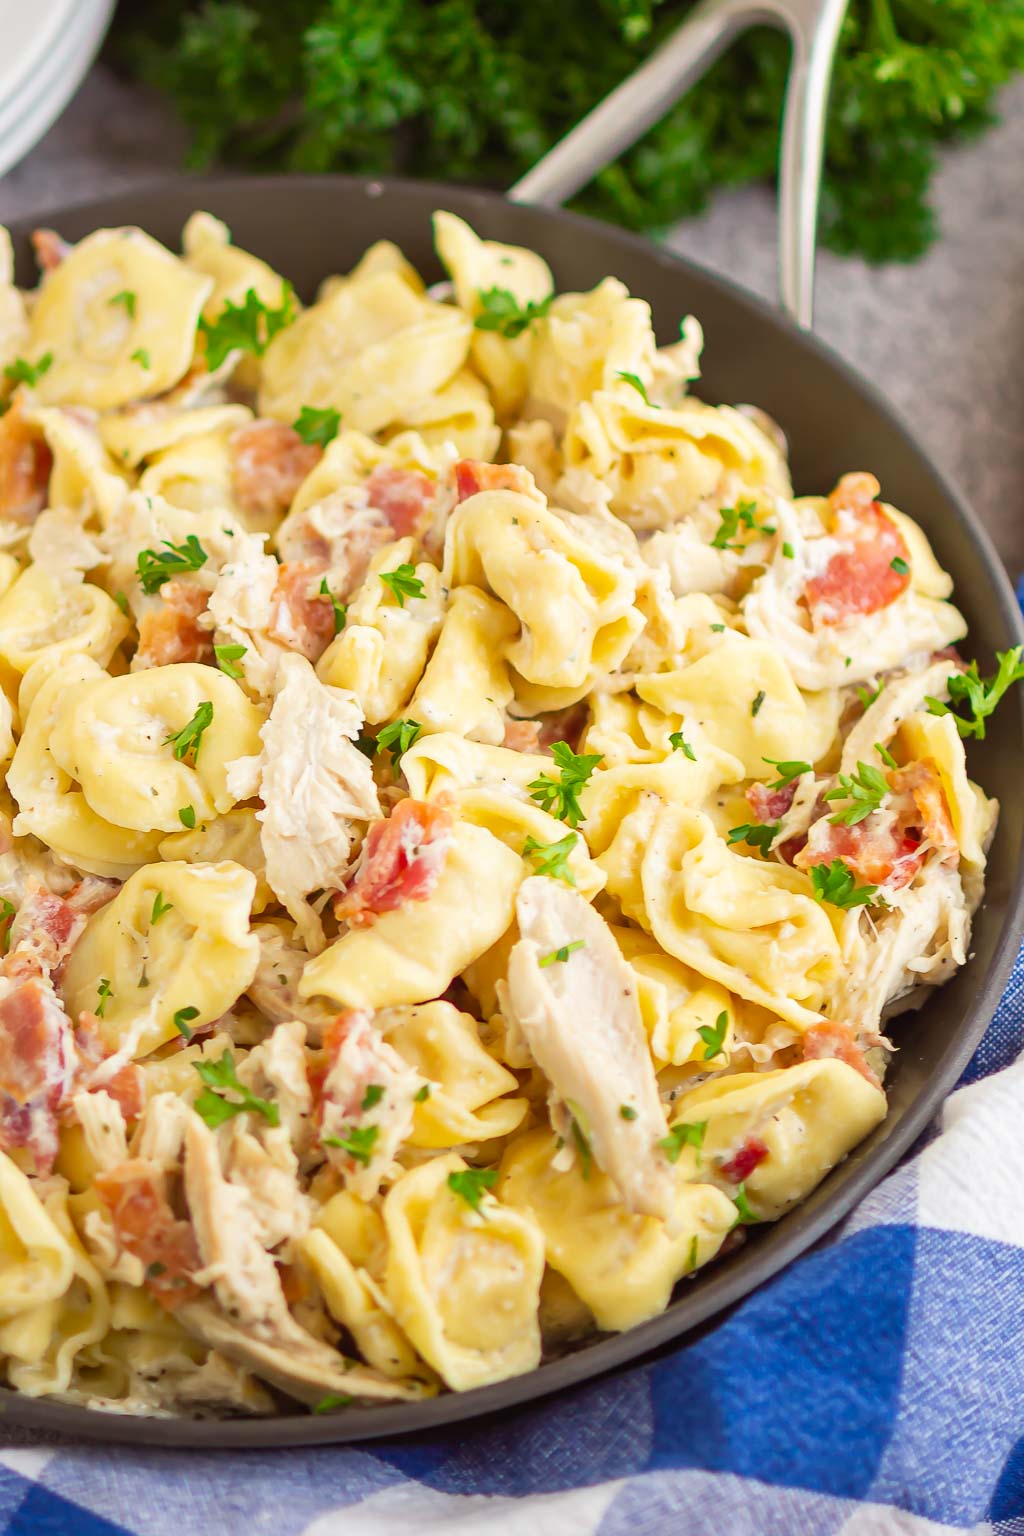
{"x":275,"y":987}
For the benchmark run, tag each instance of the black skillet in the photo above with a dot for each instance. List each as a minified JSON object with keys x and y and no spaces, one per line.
{"x":307,"y":227}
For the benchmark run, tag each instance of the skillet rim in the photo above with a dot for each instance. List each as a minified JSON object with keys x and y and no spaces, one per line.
{"x":723,"y":1285}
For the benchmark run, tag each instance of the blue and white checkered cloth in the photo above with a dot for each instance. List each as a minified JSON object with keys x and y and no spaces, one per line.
{"x":875,"y":1388}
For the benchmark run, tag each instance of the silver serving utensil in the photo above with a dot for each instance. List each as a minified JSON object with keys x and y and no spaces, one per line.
{"x":625,"y":115}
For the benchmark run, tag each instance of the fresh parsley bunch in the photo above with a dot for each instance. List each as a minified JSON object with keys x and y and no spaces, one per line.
{"x":474,"y":90}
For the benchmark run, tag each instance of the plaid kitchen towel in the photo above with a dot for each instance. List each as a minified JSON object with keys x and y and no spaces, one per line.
{"x":875,"y":1388}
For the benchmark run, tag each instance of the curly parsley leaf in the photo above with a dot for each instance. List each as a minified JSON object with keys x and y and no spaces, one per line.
{"x":636,"y":382}
{"x":183,"y":1021}
{"x":978,"y":696}
{"x":155,"y":566}
{"x":744,"y":1215}
{"x":160,"y":906}
{"x":835,"y":883}
{"x":680,"y":745}
{"x":21,"y":371}
{"x":188,"y":740}
{"x":757,"y":834}
{"x":339,"y":609}
{"x":865,"y":790}
{"x":221,"y":1079}
{"x":743,"y":515}
{"x":331,"y":1401}
{"x":359,"y":1142}
{"x":560,"y":795}
{"x":126,"y":299}
{"x":398,"y":737}
{"x":714,"y":1037}
{"x":470,"y":1183}
{"x":104,"y":993}
{"x":685,"y":1134}
{"x":226,"y":656}
{"x":552,"y":858}
{"x":501,"y":311}
{"x":318,"y":428}
{"x":247,"y":327}
{"x":403,"y":582}
{"x":788,"y":770}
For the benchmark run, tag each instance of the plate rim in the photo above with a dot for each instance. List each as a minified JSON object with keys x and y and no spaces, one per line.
{"x":733,"y":1279}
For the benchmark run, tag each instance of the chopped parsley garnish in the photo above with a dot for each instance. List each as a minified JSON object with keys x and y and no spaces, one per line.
{"x":214,"y":1107}
{"x":6,"y":919}
{"x":227,"y":655}
{"x":787,"y":551}
{"x":501,"y":311}
{"x":246,"y":327}
{"x":627,"y":1112}
{"x":122,"y":602}
{"x":691,"y":1255}
{"x":561,"y":954}
{"x":885,"y":755}
{"x":23,"y":372}
{"x":900,"y":566}
{"x":398,"y":737}
{"x":743,"y":515}
{"x":789,"y":769}
{"x":160,"y":906}
{"x":561,"y":796}
{"x":638,"y":384}
{"x":154,"y":567}
{"x":422,"y":1095}
{"x":865,"y":790}
{"x":373,"y":1095}
{"x":757,"y":701}
{"x":317,"y":427}
{"x":140,"y":356}
{"x":126,"y":299}
{"x":867,"y":697}
{"x":340,"y":610}
{"x":470,"y":1183}
{"x":104,"y":993}
{"x":685,"y":1134}
{"x":187,"y":816}
{"x":744,"y":1215}
{"x":718,"y":629}
{"x":359,"y":1142}
{"x":757,"y":834}
{"x":582,"y":1144}
{"x":183,"y":1019}
{"x":679,"y":745}
{"x":979,"y":695}
{"x":552,"y":858}
{"x":403,"y":582}
{"x":714,"y":1038}
{"x":331,"y":1401}
{"x":189,"y":738}
{"x":835,"y":883}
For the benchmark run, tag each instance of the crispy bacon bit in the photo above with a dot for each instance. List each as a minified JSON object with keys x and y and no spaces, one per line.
{"x":35,"y":1070}
{"x":127,"y":1085}
{"x":930,"y":815}
{"x":135,"y":1194}
{"x":353,"y":1034}
{"x":402,"y":861}
{"x":91,"y":893}
{"x":743,"y":1162}
{"x":823,"y":1042}
{"x":43,"y":934}
{"x":25,"y":464}
{"x":171,"y":632}
{"x":50,"y":249}
{"x":876,"y":850}
{"x":859,"y":578}
{"x":302,"y":616}
{"x":270,"y":462}
{"x":522,"y":735}
{"x":474,"y":475}
{"x":771,"y":804}
{"x":405,"y":496}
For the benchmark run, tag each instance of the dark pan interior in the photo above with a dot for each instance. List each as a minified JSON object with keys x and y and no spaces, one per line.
{"x":308,"y":227}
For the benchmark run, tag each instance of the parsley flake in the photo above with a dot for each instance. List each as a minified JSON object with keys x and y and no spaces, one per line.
{"x":403,"y":582}
{"x":743,"y":515}
{"x":756,"y":834}
{"x":691,"y":1256}
{"x":470,"y":1183}
{"x":627,"y":1112}
{"x":359,"y":1142}
{"x":835,"y":884}
{"x":714,"y":1038}
{"x":214,"y":1107}
{"x":183,"y":1019}
{"x":978,"y":695}
{"x":317,"y":427}
{"x":104,"y":993}
{"x":679,"y":745}
{"x":246,"y":327}
{"x":789,"y":769}
{"x":501,"y":311}
{"x":340,"y":610}
{"x":398,"y":737}
{"x":373,"y":1095}
{"x":686,"y":1134}
{"x":561,"y":796}
{"x":865,"y":790}
{"x":160,"y":906}
{"x":6,"y":919}
{"x":122,"y":602}
{"x":582,"y":1144}
{"x":552,"y":858}
{"x":187,"y":816}
{"x":757,"y":701}
{"x":189,"y":738}
{"x":422,"y":1094}
{"x":900,"y":566}
{"x":140,"y":356}
{"x":23,"y":372}
{"x":867,"y":697}
{"x":744,"y":1215}
{"x":561,"y":954}
{"x":226,"y":656}
{"x":636,"y":382}
{"x":885,"y":755}
{"x":333,"y":1400}
{"x":787,"y":551}
{"x":126,"y":298}
{"x":154,"y":567}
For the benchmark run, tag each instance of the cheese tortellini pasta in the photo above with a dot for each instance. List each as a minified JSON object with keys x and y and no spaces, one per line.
{"x":468,"y":828}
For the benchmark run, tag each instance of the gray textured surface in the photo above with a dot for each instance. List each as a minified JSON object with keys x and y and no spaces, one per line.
{"x":944,"y":339}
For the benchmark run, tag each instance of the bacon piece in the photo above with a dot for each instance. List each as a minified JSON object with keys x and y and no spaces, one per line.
{"x":876,"y":850}
{"x":859,"y":578}
{"x":930,"y":814}
{"x":475,"y":475}
{"x":743,"y":1162}
{"x":50,"y":248}
{"x":302,"y":619}
{"x":25,"y":464}
{"x":822,"y":1042}
{"x":402,"y":861}
{"x":127,"y":1085}
{"x":171,"y":632}
{"x":563,"y":725}
{"x":135,"y":1193}
{"x":405,"y":496}
{"x":522,"y":735}
{"x":91,"y":894}
{"x":771,"y":804}
{"x":269,"y":463}
{"x":35,"y":1070}
{"x":358,"y":1057}
{"x":43,"y":934}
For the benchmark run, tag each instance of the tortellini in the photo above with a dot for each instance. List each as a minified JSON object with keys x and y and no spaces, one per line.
{"x":42,"y":615}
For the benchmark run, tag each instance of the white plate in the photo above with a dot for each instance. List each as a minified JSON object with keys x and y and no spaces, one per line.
{"x":27,"y":114}
{"x":29,"y":31}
